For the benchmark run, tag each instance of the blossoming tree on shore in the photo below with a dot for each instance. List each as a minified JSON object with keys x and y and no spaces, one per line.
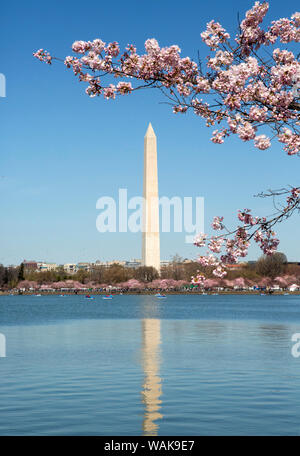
{"x":249,"y":84}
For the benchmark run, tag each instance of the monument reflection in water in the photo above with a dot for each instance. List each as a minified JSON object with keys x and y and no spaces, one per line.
{"x":152,"y":390}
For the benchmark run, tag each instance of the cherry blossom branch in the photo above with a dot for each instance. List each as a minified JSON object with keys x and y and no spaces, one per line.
{"x":251,"y":91}
{"x":234,"y":244}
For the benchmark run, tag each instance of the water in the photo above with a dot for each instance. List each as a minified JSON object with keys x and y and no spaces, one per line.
{"x":136,"y":365}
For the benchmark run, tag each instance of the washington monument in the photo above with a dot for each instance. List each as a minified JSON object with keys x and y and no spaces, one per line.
{"x":150,"y":244}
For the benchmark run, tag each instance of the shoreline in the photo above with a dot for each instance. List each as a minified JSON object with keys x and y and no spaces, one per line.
{"x":149,"y":293}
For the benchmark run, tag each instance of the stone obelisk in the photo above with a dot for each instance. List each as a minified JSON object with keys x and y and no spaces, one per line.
{"x":150,"y":247}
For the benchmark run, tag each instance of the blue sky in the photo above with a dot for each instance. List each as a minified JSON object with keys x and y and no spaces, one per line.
{"x":61,"y":150}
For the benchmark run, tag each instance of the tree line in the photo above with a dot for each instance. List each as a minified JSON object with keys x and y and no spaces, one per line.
{"x":266,"y":266}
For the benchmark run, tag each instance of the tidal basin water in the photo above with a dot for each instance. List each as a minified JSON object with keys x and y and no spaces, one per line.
{"x":137,"y":365}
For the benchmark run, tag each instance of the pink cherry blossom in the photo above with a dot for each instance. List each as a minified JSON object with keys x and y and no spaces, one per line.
{"x":198,"y":280}
{"x":262,"y":142}
{"x":217,"y":223}
{"x":200,"y":240}
{"x":214,"y":35}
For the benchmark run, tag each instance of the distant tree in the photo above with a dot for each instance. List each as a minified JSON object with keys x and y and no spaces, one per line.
{"x":2,"y":274}
{"x":191,"y":269}
{"x":247,"y":272}
{"x":116,"y":273}
{"x":174,"y":270}
{"x":21,"y":275}
{"x":176,"y":267}
{"x":271,"y":265}
{"x":293,"y":269}
{"x":61,"y":274}
{"x":9,"y":277}
{"x":6,"y":276}
{"x":97,"y":273}
{"x":145,"y":273}
{"x":176,"y":259}
{"x":81,"y":276}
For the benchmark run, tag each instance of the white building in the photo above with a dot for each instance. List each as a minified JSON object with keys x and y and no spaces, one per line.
{"x":134,"y":263}
{"x":70,"y":268}
{"x":46,"y":266}
{"x":84,"y":266}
